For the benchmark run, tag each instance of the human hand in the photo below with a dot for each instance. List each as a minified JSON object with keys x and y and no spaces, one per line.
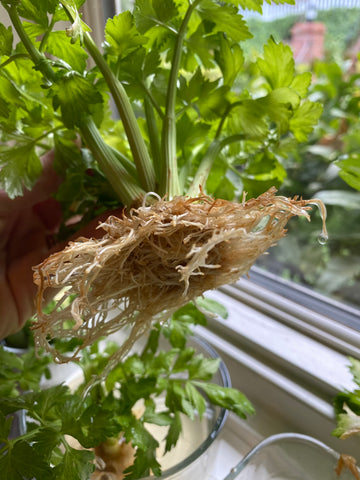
{"x":26,"y":224}
{"x":27,"y":227}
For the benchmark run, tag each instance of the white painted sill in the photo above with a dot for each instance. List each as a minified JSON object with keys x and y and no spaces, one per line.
{"x":288,"y":360}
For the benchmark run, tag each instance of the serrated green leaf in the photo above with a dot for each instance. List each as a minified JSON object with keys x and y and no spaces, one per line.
{"x":122,"y":35}
{"x":265,"y":167}
{"x":165,"y":14}
{"x":46,"y":403}
{"x":225,"y":189}
{"x":254,"y":5}
{"x":5,"y":427}
{"x":196,"y":399}
{"x":248,"y":117}
{"x":162,"y":419}
{"x":59,"y":46}
{"x":189,"y":314}
{"x":228,"y":398}
{"x":279,"y":105}
{"x":173,"y":432}
{"x":225,"y":19}
{"x":36,"y":10}
{"x":301,"y":83}
{"x":76,"y":97}
{"x":350,"y":170}
{"x":277,"y":64}
{"x":189,"y":133}
{"x":6,"y":40}
{"x":230,"y":59}
{"x":212,"y":306}
{"x":304,"y":119}
{"x":45,"y":440}
{"x":10,"y":360}
{"x":23,"y":462}
{"x":355,"y":369}
{"x":182,"y":361}
{"x":144,"y":15}
{"x":201,"y":368}
{"x":20,"y":167}
{"x":94,"y":426}
{"x":33,"y":30}
{"x":199,"y":49}
{"x":76,"y":464}
{"x":145,"y":462}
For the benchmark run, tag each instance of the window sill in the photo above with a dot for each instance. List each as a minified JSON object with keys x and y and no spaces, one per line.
{"x":289,"y":367}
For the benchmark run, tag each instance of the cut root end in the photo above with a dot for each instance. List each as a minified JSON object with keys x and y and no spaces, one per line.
{"x":151,"y":262}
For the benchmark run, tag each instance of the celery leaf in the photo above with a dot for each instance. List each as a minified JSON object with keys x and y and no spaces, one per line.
{"x":229,"y":398}
{"x":58,"y":44}
{"x":6,"y":40}
{"x":304,"y":119}
{"x":350,"y":170}
{"x":277,"y":64}
{"x":225,"y":19}
{"x":122,"y":35}
{"x":75,"y":464}
{"x":23,"y":462}
{"x":76,"y":97}
{"x":20,"y":168}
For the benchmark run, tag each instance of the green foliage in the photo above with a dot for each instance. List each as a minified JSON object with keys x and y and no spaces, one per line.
{"x":339,"y":35}
{"x":192,"y":54}
{"x":173,"y":375}
{"x":326,"y":167}
{"x":347,"y":406}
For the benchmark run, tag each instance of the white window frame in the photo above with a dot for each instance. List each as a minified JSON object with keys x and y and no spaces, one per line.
{"x":287,"y":358}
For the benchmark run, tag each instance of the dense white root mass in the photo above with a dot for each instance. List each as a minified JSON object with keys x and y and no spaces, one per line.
{"x":151,"y":262}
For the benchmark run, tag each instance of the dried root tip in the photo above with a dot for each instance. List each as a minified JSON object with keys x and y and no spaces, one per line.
{"x":153,"y":261}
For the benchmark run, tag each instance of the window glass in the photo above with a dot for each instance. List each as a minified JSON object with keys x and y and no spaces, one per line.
{"x":325,"y":38}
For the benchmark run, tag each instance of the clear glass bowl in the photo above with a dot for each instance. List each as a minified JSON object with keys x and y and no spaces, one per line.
{"x":190,"y":458}
{"x":289,"y":456}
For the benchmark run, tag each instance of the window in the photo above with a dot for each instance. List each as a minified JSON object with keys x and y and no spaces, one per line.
{"x":328,"y":47}
{"x":295,"y":321}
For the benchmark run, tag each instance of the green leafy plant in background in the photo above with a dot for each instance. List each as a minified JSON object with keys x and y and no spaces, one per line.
{"x":339,"y":36}
{"x":327,"y":166}
{"x":347,"y":406}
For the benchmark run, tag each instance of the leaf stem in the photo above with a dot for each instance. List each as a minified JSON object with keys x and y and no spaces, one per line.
{"x":154,"y":136}
{"x":37,"y":57}
{"x":13,"y":58}
{"x":124,"y":185}
{"x":208,"y":160}
{"x":222,"y":121}
{"x":137,"y":145}
{"x":170,"y":178}
{"x":47,"y":33}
